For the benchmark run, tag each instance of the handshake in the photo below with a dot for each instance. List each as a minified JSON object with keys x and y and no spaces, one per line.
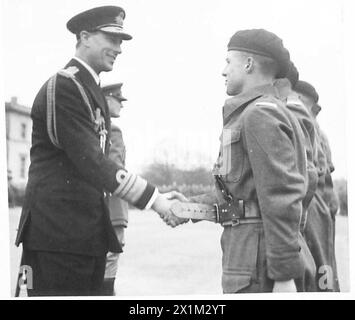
{"x":162,"y":205}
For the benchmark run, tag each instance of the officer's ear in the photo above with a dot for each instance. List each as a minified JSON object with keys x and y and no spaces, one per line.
{"x":84,"y":37}
{"x":250,"y":64}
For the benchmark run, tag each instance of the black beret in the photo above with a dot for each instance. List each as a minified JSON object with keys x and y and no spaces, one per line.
{"x":107,"y":19}
{"x":263,"y":43}
{"x":307,"y":89}
{"x":114,"y":90}
{"x":292,"y":74}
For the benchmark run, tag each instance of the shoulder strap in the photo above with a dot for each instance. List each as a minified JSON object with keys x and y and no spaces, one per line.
{"x":224,"y":189}
{"x":51,"y":102}
{"x":51,"y":114}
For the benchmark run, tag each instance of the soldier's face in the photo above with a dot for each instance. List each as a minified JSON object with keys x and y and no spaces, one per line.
{"x":103,"y":49}
{"x":234,"y":72}
{"x":308,"y":102}
{"x":114,"y":106}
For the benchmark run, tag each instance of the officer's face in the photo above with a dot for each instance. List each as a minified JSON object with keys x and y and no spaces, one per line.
{"x":114,"y":106}
{"x":103,"y":49}
{"x":234,"y":72}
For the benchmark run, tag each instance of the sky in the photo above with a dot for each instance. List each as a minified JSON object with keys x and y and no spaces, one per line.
{"x":171,"y":72}
{"x":172,"y":68}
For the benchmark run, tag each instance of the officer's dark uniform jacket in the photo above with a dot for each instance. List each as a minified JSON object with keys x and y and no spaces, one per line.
{"x":64,"y":208}
{"x":267,"y":166}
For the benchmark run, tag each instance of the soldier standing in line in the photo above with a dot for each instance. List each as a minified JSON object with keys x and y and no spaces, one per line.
{"x":118,"y":207}
{"x":331,"y":199}
{"x":285,"y":87}
{"x":320,"y":231}
{"x":260,"y":174}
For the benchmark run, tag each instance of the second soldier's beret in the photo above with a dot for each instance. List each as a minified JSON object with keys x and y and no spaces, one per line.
{"x":106,"y":19}
{"x":306,"y":89}
{"x":114,"y":90}
{"x":264,"y":43}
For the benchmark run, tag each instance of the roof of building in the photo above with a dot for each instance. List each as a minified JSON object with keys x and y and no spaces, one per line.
{"x":13,"y":106}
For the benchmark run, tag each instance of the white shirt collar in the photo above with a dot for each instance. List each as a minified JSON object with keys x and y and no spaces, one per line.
{"x":91,"y":70}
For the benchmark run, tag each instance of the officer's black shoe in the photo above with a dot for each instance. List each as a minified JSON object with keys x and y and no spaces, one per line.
{"x":108,"y":288}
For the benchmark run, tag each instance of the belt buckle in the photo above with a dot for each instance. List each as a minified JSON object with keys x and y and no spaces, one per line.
{"x":236,"y":216}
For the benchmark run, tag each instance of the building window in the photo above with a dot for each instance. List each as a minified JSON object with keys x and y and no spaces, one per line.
{"x":23,"y":130}
{"x":23,"y":166}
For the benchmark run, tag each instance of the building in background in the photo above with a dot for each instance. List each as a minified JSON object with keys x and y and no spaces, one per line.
{"x":18,"y":142}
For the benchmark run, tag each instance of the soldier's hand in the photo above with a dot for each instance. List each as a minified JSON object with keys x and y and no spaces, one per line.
{"x":285,"y":286}
{"x":162,"y":206}
{"x":172,"y":220}
{"x":175,"y":195}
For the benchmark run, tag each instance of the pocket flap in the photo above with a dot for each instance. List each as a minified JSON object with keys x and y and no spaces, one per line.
{"x":230,"y":136}
{"x":232,"y":282}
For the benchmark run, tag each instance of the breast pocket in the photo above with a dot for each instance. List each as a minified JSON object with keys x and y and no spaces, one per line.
{"x":232,"y":155}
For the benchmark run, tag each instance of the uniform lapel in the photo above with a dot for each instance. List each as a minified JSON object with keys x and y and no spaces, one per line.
{"x":89,"y":83}
{"x":96,"y":95}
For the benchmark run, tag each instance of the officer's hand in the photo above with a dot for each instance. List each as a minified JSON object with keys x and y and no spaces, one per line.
{"x":175,"y":195}
{"x":285,"y":286}
{"x":162,"y":206}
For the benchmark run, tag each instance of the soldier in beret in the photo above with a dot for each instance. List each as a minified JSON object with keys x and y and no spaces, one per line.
{"x":260,"y":173}
{"x":118,"y":207}
{"x":285,"y":87}
{"x":320,"y":226}
{"x":65,"y":226}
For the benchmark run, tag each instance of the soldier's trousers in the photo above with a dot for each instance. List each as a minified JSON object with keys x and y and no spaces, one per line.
{"x":320,"y":236}
{"x":244,"y":262}
{"x":63,"y":274}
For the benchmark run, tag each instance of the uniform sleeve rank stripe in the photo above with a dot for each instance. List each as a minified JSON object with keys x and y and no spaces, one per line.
{"x":128,"y":185}
{"x":131,"y":187}
{"x":136,"y":191}
{"x":267,"y":104}
{"x":122,"y":178}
